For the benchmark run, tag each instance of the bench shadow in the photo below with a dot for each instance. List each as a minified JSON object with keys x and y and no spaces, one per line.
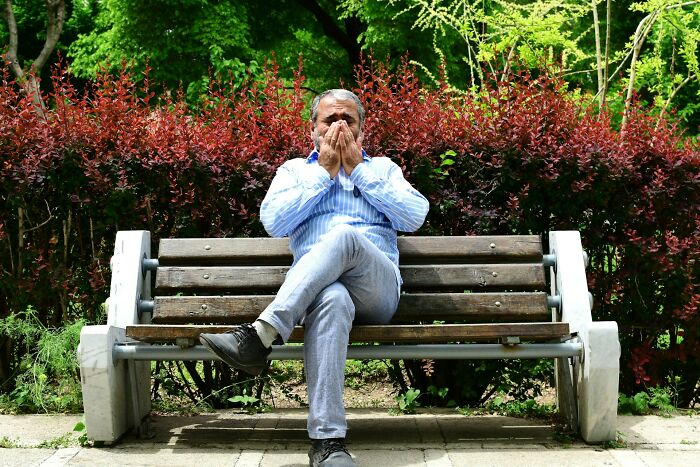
{"x":285,"y":429}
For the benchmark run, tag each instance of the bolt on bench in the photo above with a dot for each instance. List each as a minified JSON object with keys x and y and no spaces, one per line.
{"x":211,"y":285}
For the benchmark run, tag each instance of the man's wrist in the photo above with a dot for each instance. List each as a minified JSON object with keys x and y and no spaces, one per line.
{"x":319,"y":175}
{"x":360,"y":175}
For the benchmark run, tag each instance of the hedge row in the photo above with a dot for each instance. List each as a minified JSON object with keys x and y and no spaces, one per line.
{"x":521,"y":156}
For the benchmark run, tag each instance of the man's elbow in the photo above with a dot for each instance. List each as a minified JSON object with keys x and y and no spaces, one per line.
{"x":413,"y":226}
{"x":412,"y":223}
{"x":273,"y":226}
{"x":417,"y":221}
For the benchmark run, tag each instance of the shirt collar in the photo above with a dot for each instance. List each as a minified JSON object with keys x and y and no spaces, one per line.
{"x":314,"y":157}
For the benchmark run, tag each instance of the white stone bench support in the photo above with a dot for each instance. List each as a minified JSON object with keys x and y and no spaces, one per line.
{"x":112,"y":403}
{"x":595,"y":376}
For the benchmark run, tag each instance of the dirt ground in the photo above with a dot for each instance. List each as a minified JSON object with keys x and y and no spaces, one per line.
{"x":370,"y":393}
{"x":362,"y":390}
{"x":373,"y":394}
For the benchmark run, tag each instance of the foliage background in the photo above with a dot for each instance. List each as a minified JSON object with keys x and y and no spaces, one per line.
{"x":199,"y":39}
{"x":176,"y":124}
{"x":522,"y":156}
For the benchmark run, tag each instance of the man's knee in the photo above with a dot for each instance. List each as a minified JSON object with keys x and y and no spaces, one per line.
{"x":343,"y":232}
{"x":335,"y":301}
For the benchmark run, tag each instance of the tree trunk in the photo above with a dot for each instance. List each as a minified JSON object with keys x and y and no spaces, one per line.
{"x":56,"y":16}
{"x":347,"y":39}
{"x":598,"y":54}
{"x":640,"y":35}
{"x":607,"y":50}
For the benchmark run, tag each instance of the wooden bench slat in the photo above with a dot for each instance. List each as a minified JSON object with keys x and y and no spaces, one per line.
{"x":263,"y":278}
{"x":215,"y":250}
{"x":383,"y":333}
{"x":472,"y":249}
{"x":423,"y":307}
{"x":260,"y":251}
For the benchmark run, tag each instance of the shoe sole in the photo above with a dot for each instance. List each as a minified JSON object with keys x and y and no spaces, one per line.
{"x":311,"y":463}
{"x":251,"y":370}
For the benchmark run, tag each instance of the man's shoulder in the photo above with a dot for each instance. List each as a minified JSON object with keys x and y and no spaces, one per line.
{"x":296,"y":163}
{"x":381,"y":163}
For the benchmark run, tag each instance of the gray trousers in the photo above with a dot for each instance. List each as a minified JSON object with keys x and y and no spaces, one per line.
{"x":343,"y":279}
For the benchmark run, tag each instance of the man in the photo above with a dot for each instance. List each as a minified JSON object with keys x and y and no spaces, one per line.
{"x":341,"y":210}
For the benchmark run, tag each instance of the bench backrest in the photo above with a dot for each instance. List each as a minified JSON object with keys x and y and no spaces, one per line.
{"x":231,"y":280}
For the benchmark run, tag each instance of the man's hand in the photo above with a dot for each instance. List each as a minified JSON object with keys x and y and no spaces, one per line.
{"x":339,"y":146}
{"x":349,"y":148}
{"x":329,"y":152}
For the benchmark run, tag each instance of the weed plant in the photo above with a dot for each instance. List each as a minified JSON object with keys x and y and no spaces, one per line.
{"x":47,"y":377}
{"x":6,"y":443}
{"x":618,"y":443}
{"x":658,"y":400}
{"x":359,"y":372}
{"x":518,"y":408}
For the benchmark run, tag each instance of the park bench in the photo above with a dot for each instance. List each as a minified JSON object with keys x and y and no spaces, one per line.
{"x":471,"y":297}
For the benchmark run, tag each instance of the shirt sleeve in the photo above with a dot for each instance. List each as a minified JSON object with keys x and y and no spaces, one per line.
{"x":291,"y":197}
{"x":392,"y":195}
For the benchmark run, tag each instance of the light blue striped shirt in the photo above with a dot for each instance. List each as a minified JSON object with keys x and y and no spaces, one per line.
{"x":304,"y":203}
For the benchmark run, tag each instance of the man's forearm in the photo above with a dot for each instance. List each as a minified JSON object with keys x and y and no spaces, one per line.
{"x":404,"y":206}
{"x":290,"y":201}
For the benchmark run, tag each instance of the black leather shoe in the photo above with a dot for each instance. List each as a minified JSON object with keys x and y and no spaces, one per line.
{"x":329,"y":453}
{"x":240,"y":348}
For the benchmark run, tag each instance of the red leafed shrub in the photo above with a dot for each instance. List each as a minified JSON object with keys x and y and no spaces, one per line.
{"x":521,"y":156}
{"x":111,"y":159}
{"x":524,"y":157}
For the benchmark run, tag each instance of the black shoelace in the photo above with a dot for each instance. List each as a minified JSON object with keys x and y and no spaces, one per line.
{"x":243,"y":332}
{"x":333,"y":445}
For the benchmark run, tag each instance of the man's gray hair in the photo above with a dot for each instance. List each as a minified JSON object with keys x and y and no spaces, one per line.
{"x":340,"y":94}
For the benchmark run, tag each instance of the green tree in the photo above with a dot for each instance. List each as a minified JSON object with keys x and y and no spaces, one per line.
{"x":315,"y":30}
{"x":199,"y":37}
{"x":178,"y":39}
{"x":490,"y":30}
{"x":390,"y":32}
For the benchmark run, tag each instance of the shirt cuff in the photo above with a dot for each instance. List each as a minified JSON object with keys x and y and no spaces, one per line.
{"x":317,"y":176}
{"x":362,"y":176}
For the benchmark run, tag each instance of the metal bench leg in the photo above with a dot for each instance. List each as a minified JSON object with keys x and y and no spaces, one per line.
{"x":138,"y":414}
{"x":566,"y":391}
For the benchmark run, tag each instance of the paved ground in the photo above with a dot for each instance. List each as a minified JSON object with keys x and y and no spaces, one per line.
{"x":437,"y":438}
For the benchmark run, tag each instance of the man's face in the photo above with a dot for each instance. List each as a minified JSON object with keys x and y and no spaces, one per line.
{"x":331,"y":110}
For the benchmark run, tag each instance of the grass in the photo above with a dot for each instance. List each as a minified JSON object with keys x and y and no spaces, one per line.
{"x":58,"y":442}
{"x":617,"y":443}
{"x":658,"y":401}
{"x":63,"y":441}
{"x":6,"y":443}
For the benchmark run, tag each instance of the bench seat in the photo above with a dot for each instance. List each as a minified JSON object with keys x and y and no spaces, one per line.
{"x":427,"y":333}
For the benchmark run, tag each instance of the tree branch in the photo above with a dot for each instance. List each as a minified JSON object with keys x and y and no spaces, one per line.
{"x":9,"y":16}
{"x":673,"y":94}
{"x":607,"y":49}
{"x":640,"y":35}
{"x":56,"y":16}
{"x":346,"y":39}
{"x":56,"y":12}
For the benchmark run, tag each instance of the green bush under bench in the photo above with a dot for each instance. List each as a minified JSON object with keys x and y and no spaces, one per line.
{"x":494,"y":297}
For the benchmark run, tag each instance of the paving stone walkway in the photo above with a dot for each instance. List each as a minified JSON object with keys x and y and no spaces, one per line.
{"x":433,"y":438}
